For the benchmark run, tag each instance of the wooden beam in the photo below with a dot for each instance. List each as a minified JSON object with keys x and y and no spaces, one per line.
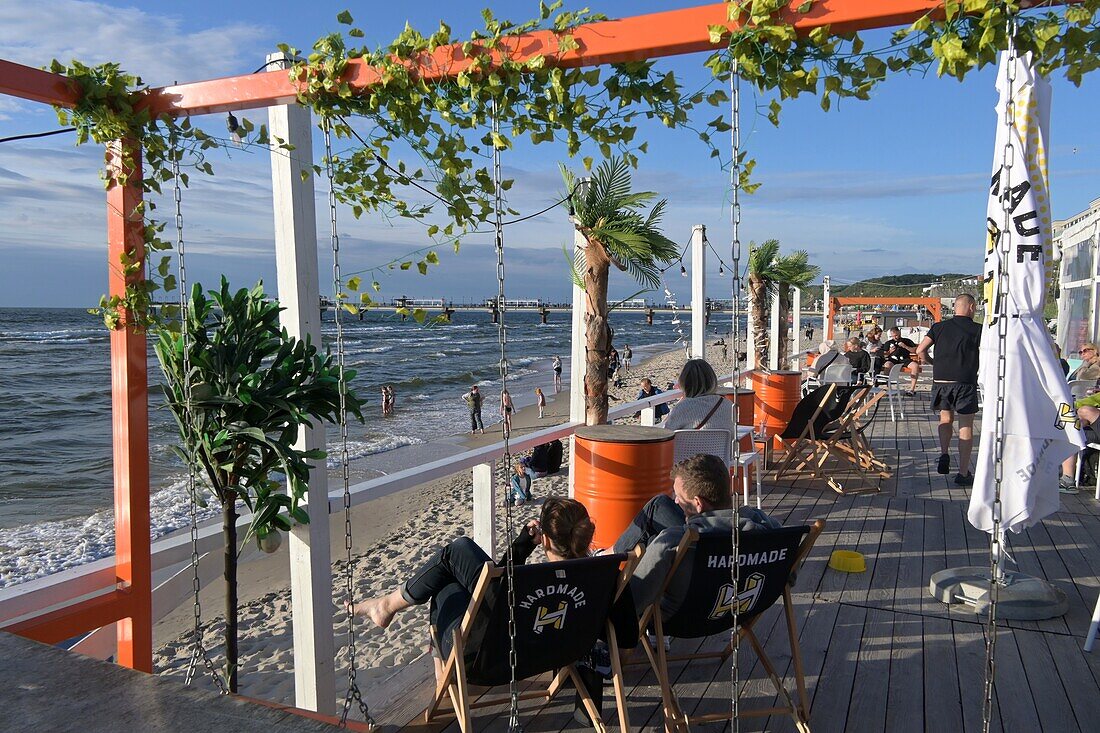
{"x":698,"y":292}
{"x":65,"y":623}
{"x":296,"y":265}
{"x":36,"y":85}
{"x":130,"y":414}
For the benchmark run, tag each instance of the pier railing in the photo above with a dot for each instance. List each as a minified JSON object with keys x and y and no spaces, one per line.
{"x":171,"y":555}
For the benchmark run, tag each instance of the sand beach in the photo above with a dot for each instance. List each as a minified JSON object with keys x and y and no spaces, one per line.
{"x":392,"y":536}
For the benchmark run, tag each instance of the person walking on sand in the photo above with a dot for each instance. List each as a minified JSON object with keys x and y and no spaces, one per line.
{"x":540,"y":400}
{"x":506,"y":409}
{"x":627,"y":354}
{"x":955,"y":382}
{"x":473,"y":402}
{"x":557,"y":374}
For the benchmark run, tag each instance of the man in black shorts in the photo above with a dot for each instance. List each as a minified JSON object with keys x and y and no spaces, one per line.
{"x":955,"y":382}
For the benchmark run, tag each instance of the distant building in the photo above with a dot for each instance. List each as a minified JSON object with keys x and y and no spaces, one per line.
{"x":1075,"y":243}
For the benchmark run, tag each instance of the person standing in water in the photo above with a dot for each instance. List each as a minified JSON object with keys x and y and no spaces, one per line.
{"x":540,"y":400}
{"x":506,"y":409}
{"x":473,"y":402}
{"x":557,"y":374}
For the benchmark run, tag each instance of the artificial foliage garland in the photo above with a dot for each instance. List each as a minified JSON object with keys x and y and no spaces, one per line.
{"x":443,"y":120}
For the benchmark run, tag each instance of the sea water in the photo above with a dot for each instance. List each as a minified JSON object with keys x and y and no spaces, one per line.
{"x":55,"y":412}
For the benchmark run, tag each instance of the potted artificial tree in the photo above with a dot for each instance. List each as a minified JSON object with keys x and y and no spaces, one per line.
{"x":617,"y":231}
{"x":253,"y":387}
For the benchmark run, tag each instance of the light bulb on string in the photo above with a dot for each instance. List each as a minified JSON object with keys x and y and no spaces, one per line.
{"x":683,"y":271}
{"x":721,"y":270}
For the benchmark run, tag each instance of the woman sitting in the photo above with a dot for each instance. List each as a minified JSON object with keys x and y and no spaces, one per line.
{"x":450,"y":575}
{"x":700,"y":407}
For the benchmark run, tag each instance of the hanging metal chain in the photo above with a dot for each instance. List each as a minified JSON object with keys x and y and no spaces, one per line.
{"x":198,"y":649}
{"x":1004,"y":247}
{"x":353,"y":693}
{"x":502,"y":340}
{"x":735,"y":334}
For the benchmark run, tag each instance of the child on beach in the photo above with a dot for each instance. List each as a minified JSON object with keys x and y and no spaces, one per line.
{"x":540,"y":400}
{"x":506,"y":409}
{"x":520,"y":484}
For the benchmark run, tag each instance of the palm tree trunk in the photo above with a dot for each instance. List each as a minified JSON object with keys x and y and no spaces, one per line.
{"x":784,"y":345}
{"x":229,"y":529}
{"x":758,"y":295}
{"x":597,"y":333}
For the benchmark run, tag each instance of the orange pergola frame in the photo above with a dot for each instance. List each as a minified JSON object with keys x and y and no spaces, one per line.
{"x":635,"y":38}
{"x":932,"y":304}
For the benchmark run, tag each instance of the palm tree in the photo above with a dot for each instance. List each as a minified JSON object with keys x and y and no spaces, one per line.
{"x":793,"y":270}
{"x":764,"y":275}
{"x":616,"y":231}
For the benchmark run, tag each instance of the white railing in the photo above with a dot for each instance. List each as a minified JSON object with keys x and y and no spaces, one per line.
{"x":171,"y":554}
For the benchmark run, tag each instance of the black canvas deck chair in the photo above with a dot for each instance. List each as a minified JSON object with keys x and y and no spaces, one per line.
{"x":831,"y":422}
{"x":768,"y":560}
{"x":561,"y":608}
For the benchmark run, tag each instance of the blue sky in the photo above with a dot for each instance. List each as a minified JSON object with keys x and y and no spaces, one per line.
{"x":894,"y":185}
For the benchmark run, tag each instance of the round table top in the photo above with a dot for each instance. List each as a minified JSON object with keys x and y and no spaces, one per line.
{"x":724,"y":391}
{"x":624,"y":434}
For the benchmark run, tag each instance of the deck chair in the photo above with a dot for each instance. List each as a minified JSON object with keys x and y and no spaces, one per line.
{"x":831,"y":424}
{"x":561,"y":609}
{"x":769,"y":559}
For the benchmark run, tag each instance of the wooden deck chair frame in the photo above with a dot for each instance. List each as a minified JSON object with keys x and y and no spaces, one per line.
{"x":676,"y":720}
{"x":451,"y":680}
{"x":842,"y":439}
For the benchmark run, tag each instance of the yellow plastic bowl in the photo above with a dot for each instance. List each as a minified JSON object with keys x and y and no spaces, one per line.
{"x":847,"y":561}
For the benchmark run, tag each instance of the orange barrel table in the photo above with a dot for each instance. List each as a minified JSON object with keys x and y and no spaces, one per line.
{"x":777,"y":393}
{"x":618,"y":469}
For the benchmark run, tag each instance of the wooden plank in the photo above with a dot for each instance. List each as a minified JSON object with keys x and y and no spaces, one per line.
{"x":1013,"y":697}
{"x":970,"y":666}
{"x":932,"y":554}
{"x":942,"y":707}
{"x":867,"y":711}
{"x":834,"y":687}
{"x":1078,"y":681}
{"x":905,"y":708}
{"x":1055,"y":711}
{"x":816,"y":636}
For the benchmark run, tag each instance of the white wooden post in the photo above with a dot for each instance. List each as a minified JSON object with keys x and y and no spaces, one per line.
{"x":576,"y":362}
{"x":826,"y":318}
{"x":649,"y":416}
{"x":485,"y":508}
{"x":299,"y":295}
{"x":698,"y":292}
{"x":750,"y":341}
{"x":796,"y":327}
{"x":773,"y":349}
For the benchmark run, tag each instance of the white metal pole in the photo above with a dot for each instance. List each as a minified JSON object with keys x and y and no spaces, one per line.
{"x":796,"y":330}
{"x":826,"y":317}
{"x":773,"y":349}
{"x":299,"y":295}
{"x":698,"y":292}
{"x":576,"y":360}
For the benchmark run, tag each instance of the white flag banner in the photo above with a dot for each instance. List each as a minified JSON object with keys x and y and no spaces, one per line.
{"x":1040,"y":426}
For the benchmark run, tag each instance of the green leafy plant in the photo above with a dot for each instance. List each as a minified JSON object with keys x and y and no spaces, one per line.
{"x":617,"y":231}
{"x":110,"y":110}
{"x":764,"y":276}
{"x":792,"y":271}
{"x":252,"y":390}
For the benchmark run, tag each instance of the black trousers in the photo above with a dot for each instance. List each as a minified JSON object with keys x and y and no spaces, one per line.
{"x":447,"y":580}
{"x":658,"y":514}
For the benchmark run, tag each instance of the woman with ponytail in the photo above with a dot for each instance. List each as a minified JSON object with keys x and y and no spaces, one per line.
{"x":448,"y":578}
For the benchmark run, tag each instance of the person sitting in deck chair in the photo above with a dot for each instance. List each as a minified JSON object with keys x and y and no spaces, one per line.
{"x":701,"y":500}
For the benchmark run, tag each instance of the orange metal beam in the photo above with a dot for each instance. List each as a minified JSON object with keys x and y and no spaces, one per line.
{"x":80,"y":618}
{"x":654,"y":35}
{"x":130,"y":417}
{"x":36,"y":85}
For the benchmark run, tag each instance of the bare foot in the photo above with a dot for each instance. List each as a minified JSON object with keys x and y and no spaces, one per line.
{"x":379,"y":610}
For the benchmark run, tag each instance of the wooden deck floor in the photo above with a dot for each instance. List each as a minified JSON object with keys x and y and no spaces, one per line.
{"x":880,"y":653}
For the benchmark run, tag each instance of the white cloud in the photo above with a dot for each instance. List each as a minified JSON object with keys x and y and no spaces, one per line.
{"x":156,"y":47}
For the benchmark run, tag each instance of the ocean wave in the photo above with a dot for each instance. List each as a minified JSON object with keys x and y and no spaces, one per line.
{"x":378,"y":443}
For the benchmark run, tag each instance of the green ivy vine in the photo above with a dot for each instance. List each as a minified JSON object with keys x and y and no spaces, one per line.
{"x":109,"y":110}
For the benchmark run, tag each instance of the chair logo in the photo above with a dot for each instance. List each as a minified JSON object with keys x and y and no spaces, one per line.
{"x":545,"y":617}
{"x":1067,"y":416}
{"x":723,"y":605}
